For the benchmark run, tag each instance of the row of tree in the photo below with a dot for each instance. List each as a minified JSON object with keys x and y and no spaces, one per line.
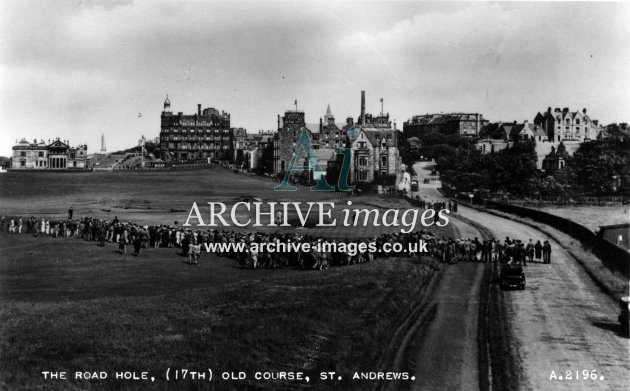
{"x":598,"y":167}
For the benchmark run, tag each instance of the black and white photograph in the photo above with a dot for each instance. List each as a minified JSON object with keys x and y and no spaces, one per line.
{"x":314,"y":195}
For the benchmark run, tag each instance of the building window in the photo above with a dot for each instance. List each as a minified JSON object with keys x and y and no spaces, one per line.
{"x":362,"y":175}
{"x":383,"y":161}
{"x":23,"y":154}
{"x":40,"y":154}
{"x":363,"y":161}
{"x":577,"y":121}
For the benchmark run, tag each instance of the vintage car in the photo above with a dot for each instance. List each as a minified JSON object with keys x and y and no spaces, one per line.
{"x":512,"y":276}
{"x":414,"y":185}
{"x":624,"y":302}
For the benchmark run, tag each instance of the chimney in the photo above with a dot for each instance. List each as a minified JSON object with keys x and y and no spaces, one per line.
{"x":549,"y":109}
{"x":199,"y":109}
{"x":362,"y":119}
{"x":565,"y":110}
{"x":321,"y":125}
{"x":278,"y":121}
{"x":349,"y":121}
{"x":584,"y":110}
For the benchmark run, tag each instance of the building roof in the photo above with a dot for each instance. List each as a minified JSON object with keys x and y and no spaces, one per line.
{"x":376,"y":136}
{"x":239,"y":132}
{"x":442,"y":118}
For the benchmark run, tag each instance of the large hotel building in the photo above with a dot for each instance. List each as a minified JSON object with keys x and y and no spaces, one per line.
{"x":195,"y":137}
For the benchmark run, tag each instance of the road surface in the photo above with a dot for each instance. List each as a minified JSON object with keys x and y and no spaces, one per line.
{"x":446,"y":352}
{"x":561,"y":322}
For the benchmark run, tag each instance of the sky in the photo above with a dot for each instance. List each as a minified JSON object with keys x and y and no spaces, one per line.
{"x":79,"y":69}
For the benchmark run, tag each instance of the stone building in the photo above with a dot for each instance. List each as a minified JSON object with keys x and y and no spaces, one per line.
{"x":462,"y":124}
{"x":56,"y":155}
{"x":555,"y":160}
{"x":255,"y":146}
{"x":565,"y":125}
{"x":328,"y":134}
{"x":375,"y":147}
{"x":372,"y":140}
{"x":374,"y":154}
{"x":239,"y":142}
{"x":196,"y":137}
{"x":285,"y":140}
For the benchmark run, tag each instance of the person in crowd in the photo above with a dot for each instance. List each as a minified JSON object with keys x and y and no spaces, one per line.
{"x":196,"y":252}
{"x":546,"y":250}
{"x":137,"y":243}
{"x":529,"y":250}
{"x":538,"y":250}
{"x":122,"y":241}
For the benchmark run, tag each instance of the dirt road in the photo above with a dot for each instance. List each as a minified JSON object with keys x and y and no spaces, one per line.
{"x":563,"y":323}
{"x":446,"y":355}
{"x":447,"y":358}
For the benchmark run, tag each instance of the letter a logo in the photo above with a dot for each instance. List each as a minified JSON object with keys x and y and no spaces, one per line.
{"x":304,"y":142}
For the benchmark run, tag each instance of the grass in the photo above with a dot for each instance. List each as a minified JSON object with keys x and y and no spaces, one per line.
{"x":69,"y":305}
{"x":72,"y":309}
{"x":591,"y":217}
{"x":166,"y":197}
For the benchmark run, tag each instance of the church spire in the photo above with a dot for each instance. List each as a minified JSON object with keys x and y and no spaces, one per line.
{"x":329,"y":118}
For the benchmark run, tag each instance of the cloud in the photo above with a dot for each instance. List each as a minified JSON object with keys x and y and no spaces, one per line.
{"x":77,"y":69}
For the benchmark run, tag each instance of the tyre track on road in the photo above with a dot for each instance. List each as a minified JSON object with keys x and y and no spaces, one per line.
{"x":411,"y":335}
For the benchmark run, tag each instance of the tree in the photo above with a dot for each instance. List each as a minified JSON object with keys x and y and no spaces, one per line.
{"x":410,"y":151}
{"x":602,"y":166}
